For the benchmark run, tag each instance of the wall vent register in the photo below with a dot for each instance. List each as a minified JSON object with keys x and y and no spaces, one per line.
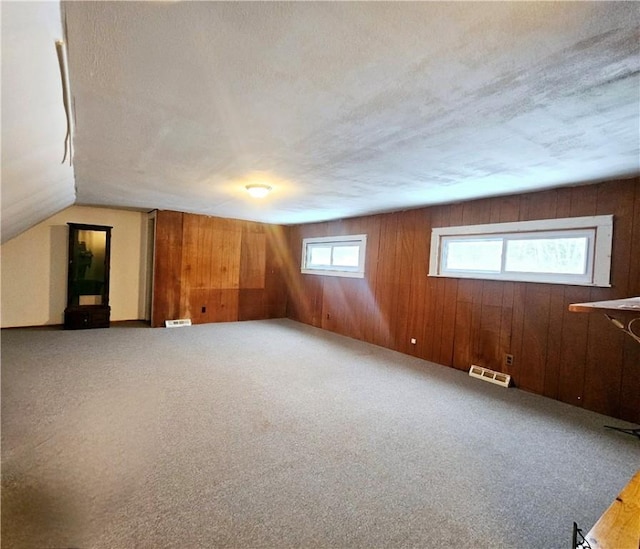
{"x":504,"y":380}
{"x":177,"y":323}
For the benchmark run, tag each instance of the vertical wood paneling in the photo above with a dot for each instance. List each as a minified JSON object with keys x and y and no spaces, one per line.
{"x":426,"y":303}
{"x":361,"y":296}
{"x":462,"y":338}
{"x":445,"y":349}
{"x":430,"y":318}
{"x":275,"y":276}
{"x":168,"y":261}
{"x":224,"y":305}
{"x":252,"y":305}
{"x":618,"y":199}
{"x":506,"y":326}
{"x":571,"y":374}
{"x":386,"y":282}
{"x":199,"y":264}
{"x":573,"y":350}
{"x":198,"y":300}
{"x":509,"y":207}
{"x":444,"y":354}
{"x":603,"y":371}
{"x":463,"y":355}
{"x":332,"y":297}
{"x":253,"y":259}
{"x":534,"y":337}
{"x":584,"y":200}
{"x":205,"y":251}
{"x":540,"y":205}
{"x":353,"y":307}
{"x":630,"y":379}
{"x":490,"y":323}
{"x":189,"y":263}
{"x":536,"y":305}
{"x":418,"y":281}
{"x":576,"y":358}
{"x":314,"y":290}
{"x":518,"y":345}
{"x":554,"y":341}
{"x":634,"y":264}
{"x":562,"y":204}
{"x":332,"y":301}
{"x":305,"y":292}
{"x":474,"y":213}
{"x":405,"y":236}
{"x":441,"y":217}
{"x":227,"y":274}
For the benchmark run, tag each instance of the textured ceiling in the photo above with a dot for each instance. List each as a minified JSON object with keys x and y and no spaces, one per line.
{"x":35,"y":184}
{"x":347,"y":108}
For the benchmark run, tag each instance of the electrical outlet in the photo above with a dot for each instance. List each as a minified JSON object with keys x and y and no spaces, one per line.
{"x":413,"y":341}
{"x":508,"y":359}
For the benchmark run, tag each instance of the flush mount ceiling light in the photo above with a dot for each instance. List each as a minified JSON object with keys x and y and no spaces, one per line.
{"x":258,"y":190}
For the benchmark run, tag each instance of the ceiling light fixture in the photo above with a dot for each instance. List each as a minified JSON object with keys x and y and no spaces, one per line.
{"x":258,"y":190}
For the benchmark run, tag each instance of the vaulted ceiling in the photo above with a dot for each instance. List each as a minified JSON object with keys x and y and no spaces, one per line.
{"x":342,"y":108}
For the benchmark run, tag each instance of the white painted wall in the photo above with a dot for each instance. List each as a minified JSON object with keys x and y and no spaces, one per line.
{"x":34,"y":267}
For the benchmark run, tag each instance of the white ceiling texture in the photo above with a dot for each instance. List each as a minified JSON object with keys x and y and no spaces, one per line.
{"x":344,"y":108}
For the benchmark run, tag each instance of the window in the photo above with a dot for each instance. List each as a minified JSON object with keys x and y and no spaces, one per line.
{"x":574,"y":250}
{"x":334,"y":255}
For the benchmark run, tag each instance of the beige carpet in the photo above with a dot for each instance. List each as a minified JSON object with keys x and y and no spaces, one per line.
{"x":274,"y":434}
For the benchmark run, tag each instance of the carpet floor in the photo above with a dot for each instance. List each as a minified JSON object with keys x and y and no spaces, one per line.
{"x":273,"y":434}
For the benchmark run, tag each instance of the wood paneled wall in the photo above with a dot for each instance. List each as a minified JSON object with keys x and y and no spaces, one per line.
{"x":576,"y":358}
{"x":210,"y":269}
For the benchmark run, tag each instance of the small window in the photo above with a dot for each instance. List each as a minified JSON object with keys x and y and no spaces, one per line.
{"x":334,"y":255}
{"x":574,"y":250}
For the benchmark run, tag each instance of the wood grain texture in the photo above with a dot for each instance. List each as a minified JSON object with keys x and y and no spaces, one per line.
{"x":387,"y":282}
{"x":630,"y":379}
{"x":574,"y":358}
{"x":418,"y":280}
{"x":252,"y":305}
{"x":217,"y":270}
{"x":168,"y":264}
{"x":405,"y":239}
{"x":253,"y":259}
{"x":275,"y":286}
{"x":603,"y":370}
{"x":619,"y":525}
{"x":240,"y":270}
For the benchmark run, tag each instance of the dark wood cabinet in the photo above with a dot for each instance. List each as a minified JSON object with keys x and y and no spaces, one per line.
{"x":79,"y":318}
{"x":88,"y":277}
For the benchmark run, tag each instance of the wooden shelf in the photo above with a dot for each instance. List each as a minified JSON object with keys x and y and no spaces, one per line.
{"x":629,"y":305}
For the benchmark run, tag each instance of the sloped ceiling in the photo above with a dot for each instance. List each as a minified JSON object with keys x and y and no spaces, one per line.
{"x":347,"y":108}
{"x":35,"y":184}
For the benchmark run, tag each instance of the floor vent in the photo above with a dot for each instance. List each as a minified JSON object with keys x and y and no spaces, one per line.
{"x":489,"y":375}
{"x":177,"y":323}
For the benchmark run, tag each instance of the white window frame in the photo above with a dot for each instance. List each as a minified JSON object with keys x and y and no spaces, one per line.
{"x":598,"y":228}
{"x":359,"y":240}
